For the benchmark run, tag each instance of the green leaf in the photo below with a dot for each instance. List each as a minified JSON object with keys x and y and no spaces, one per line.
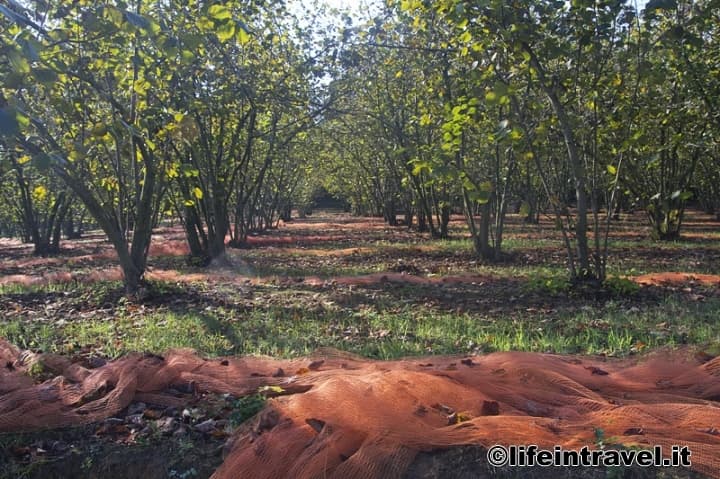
{"x":500,"y":89}
{"x":30,"y":49}
{"x":99,"y":130}
{"x":524,"y":209}
{"x":42,"y":161}
{"x":468,"y":185}
{"x":12,"y":80}
{"x":421,"y":166}
{"x":661,"y":5}
{"x":187,"y":56}
{"x":113,"y":14}
{"x":189,"y":172}
{"x":486,"y":186}
{"x":45,"y":76}
{"x":18,"y":62}
{"x":141,"y":86}
{"x":138,"y":21}
{"x":219,"y":12}
{"x":204,"y":23}
{"x":9,"y":125}
{"x":681,"y":195}
{"x":225,"y":31}
{"x":611,"y":169}
{"x":22,"y":119}
{"x":243,"y":35}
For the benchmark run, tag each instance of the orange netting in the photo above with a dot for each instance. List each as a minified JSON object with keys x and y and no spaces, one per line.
{"x":347,"y":417}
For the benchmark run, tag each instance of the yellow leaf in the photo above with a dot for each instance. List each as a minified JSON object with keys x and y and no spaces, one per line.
{"x":39,"y":193}
{"x":204,"y":23}
{"x":225,"y":31}
{"x":516,"y":134}
{"x":272,"y":389}
{"x":198,"y":193}
{"x":243,"y":36}
{"x":172,"y":171}
{"x":219,"y":12}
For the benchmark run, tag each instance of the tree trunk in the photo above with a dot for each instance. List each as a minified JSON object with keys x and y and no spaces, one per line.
{"x":576,"y":167}
{"x":482,"y":241}
{"x":444,"y":221}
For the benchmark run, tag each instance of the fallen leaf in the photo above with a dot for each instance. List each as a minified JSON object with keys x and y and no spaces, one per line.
{"x":315,"y":365}
{"x":703,"y":357}
{"x":152,"y":414}
{"x":220,"y":434}
{"x":206,"y":427}
{"x":490,"y":408}
{"x":316,"y":424}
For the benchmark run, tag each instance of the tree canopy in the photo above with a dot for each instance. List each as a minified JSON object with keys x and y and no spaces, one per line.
{"x":226,"y":115}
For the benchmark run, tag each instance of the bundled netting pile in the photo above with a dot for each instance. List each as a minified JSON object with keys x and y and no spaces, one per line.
{"x":347,"y":417}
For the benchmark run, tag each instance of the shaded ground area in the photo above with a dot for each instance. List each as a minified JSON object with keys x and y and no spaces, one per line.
{"x":470,"y":462}
{"x":81,"y":452}
{"x":336,"y":245}
{"x":385,"y":316}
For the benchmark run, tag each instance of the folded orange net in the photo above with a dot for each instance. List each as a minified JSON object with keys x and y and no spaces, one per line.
{"x":347,"y":417}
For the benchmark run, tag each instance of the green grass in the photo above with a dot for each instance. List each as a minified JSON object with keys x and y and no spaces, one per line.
{"x":392,"y":326}
{"x":17,"y":288}
{"x":382,"y":331}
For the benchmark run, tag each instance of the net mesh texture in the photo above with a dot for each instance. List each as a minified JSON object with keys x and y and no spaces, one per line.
{"x":338,"y":415}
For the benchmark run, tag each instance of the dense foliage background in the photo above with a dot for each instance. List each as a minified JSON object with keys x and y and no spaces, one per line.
{"x":226,"y":116}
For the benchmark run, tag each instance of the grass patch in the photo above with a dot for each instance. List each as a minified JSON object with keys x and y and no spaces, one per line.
{"x":383,"y":330}
{"x":527,"y":303}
